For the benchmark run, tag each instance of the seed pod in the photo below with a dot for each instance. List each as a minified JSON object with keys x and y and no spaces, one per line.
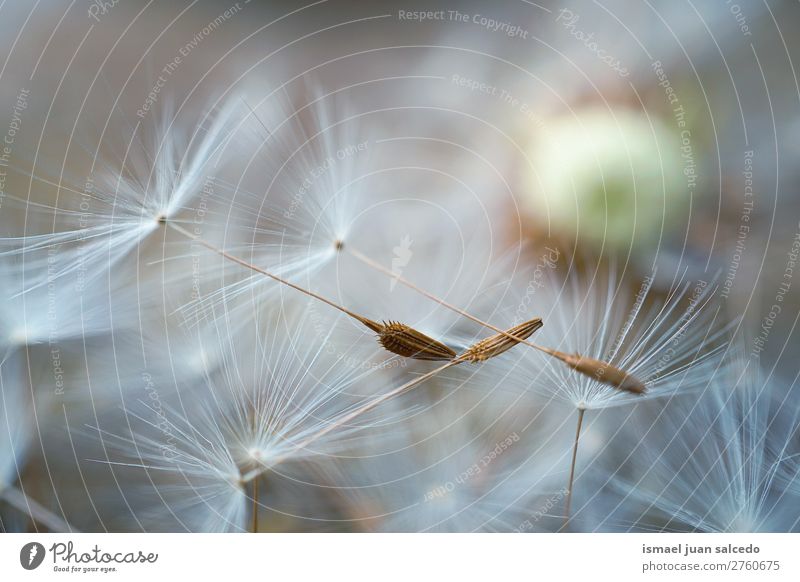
{"x":497,"y":344}
{"x":405,"y":341}
{"x":603,"y":372}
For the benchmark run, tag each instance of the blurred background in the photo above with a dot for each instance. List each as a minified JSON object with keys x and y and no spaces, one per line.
{"x":660,"y":136}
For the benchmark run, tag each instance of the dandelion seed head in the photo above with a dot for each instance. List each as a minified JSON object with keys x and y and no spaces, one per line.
{"x":669,"y":344}
{"x":254,"y":412}
{"x":139,"y":179}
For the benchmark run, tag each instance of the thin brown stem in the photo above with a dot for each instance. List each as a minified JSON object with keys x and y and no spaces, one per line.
{"x":37,"y":512}
{"x":568,"y":504}
{"x":396,"y":337}
{"x":255,"y":504}
{"x":257,"y":269}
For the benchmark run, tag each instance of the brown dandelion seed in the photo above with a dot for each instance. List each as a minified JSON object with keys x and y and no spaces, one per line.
{"x":603,"y":372}
{"x":497,"y":344}
{"x":406,"y":341}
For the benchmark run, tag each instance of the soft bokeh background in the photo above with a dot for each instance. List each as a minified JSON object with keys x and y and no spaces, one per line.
{"x":660,"y":136}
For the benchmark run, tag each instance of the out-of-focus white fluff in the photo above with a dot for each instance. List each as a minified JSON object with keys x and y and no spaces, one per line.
{"x":17,"y":424}
{"x":716,"y":462}
{"x":136,"y":181}
{"x":263,"y":405}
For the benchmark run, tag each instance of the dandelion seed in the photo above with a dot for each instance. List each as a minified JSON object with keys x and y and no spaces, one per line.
{"x":631,"y":351}
{"x":591,"y":367}
{"x":502,"y":342}
{"x":648,"y":347}
{"x":602,"y":372}
{"x":405,"y":341}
